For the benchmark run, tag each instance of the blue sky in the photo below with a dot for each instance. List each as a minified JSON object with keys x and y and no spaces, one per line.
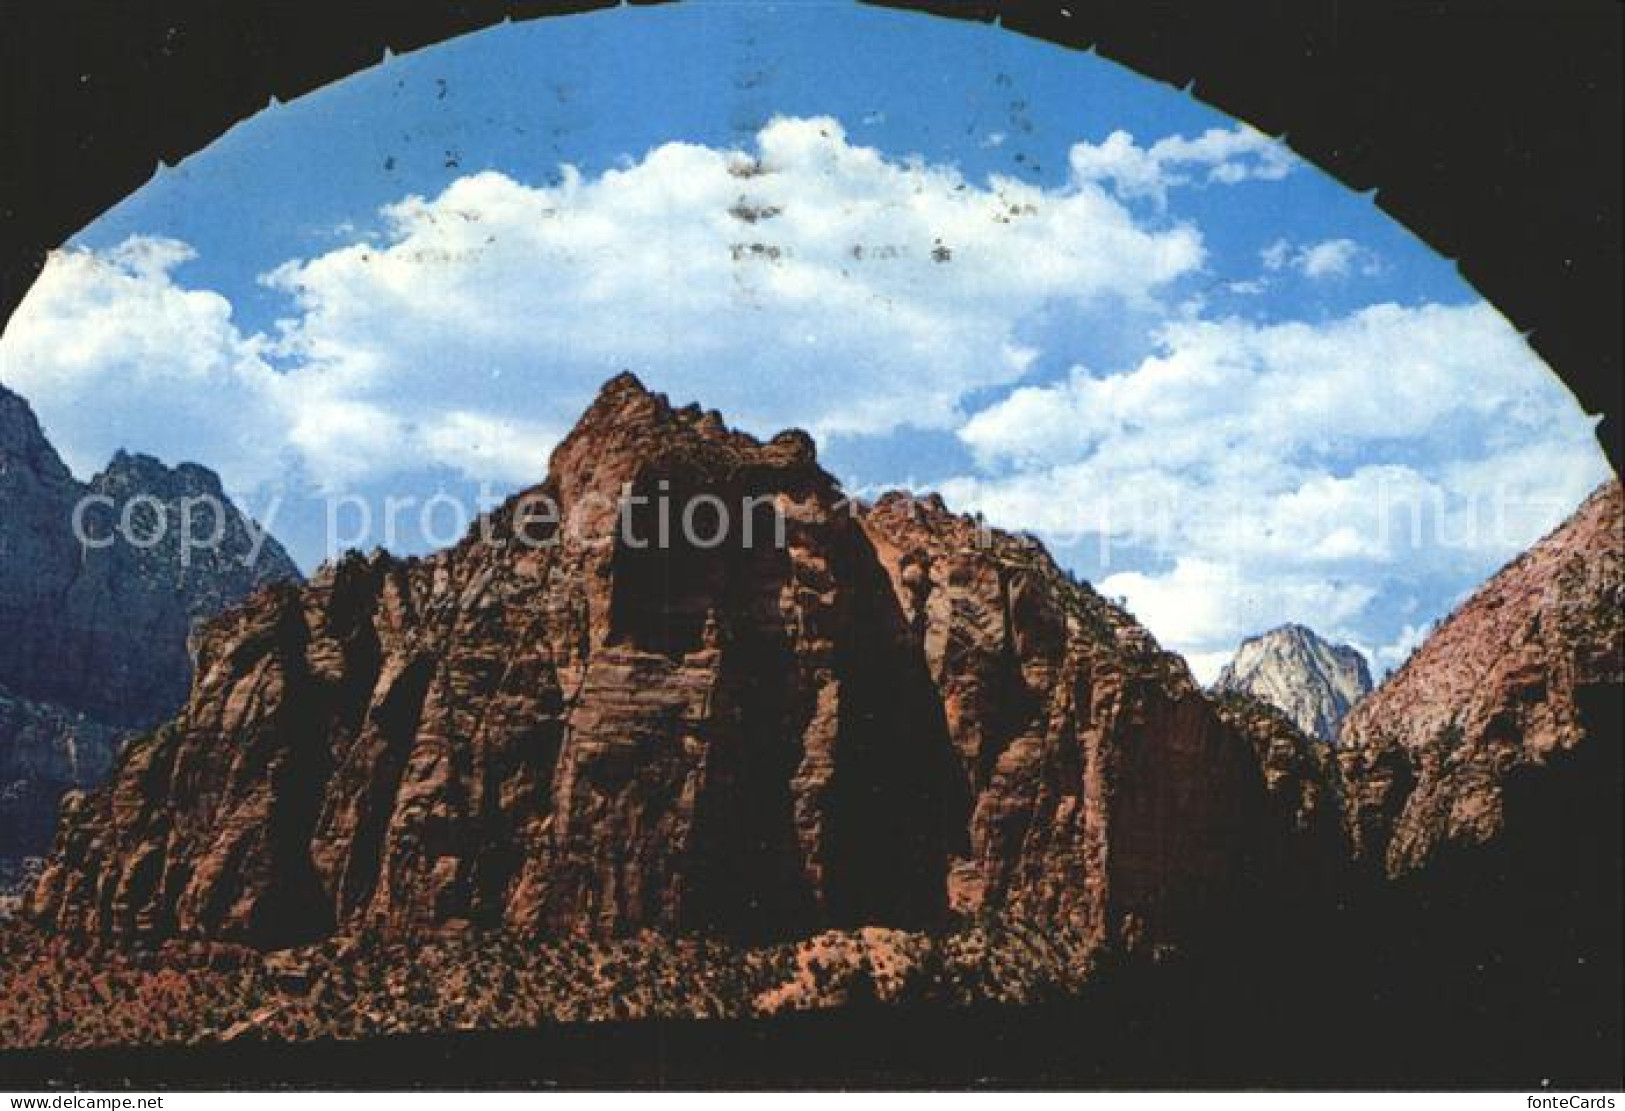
{"x":1221,"y":385}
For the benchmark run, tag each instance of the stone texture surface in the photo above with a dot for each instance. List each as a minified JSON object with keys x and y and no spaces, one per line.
{"x":93,"y":641}
{"x":1104,"y":785}
{"x":1513,"y":683}
{"x":838,"y":741}
{"x":1314,"y":682}
{"x":549,"y":727}
{"x":553,"y":729}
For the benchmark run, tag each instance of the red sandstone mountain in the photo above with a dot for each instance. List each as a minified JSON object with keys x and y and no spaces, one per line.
{"x":1104,"y":784}
{"x":893,"y":716}
{"x":1517,"y":687}
{"x":886,"y":713}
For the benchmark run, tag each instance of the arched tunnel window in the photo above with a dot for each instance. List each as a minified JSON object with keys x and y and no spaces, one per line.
{"x":1057,"y":417}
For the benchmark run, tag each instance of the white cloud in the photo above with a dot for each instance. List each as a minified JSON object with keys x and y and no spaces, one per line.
{"x":730,"y":276}
{"x":1241,"y":475}
{"x":1391,"y":656}
{"x":1331,"y":259}
{"x":1292,"y":472}
{"x":1277,"y":255}
{"x":1218,"y":156}
{"x":1206,"y":666}
{"x":739,"y":277}
{"x":109,"y":340}
{"x":1328,"y":259}
{"x":477,"y":444}
{"x":1203,"y":601}
{"x":171,"y":373}
{"x":1387,"y":372}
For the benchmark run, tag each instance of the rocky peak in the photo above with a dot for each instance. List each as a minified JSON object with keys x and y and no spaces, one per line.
{"x":572,"y":728}
{"x":638,"y":425}
{"x":866,"y":716}
{"x":1311,"y":680}
{"x":128,"y":474}
{"x":94,"y":639}
{"x":25,"y":453}
{"x":1105,"y":788}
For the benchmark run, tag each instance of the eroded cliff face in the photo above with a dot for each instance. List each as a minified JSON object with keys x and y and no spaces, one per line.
{"x":1105,"y":786}
{"x":558,"y":726}
{"x":839,"y":738}
{"x":563,"y":726}
{"x":93,"y":639}
{"x":1314,"y":682}
{"x":1307,"y":849}
{"x":1512,"y":693}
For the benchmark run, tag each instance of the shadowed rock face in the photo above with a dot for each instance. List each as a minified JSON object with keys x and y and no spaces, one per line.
{"x":104,"y":629}
{"x":557,"y":726}
{"x":1484,"y":792}
{"x":93,"y":641}
{"x":596,"y":734}
{"x":890,"y":715}
{"x":1314,"y":682}
{"x":1104,"y":784}
{"x":1510,"y":691}
{"x":1307,"y":843}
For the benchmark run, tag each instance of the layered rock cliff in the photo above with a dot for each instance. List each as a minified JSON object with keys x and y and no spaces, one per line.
{"x":93,"y":639}
{"x":809,"y":715}
{"x":1314,"y":682}
{"x":907,"y":754}
{"x":1513,"y":693}
{"x":1104,"y":785}
{"x":561,"y":725}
